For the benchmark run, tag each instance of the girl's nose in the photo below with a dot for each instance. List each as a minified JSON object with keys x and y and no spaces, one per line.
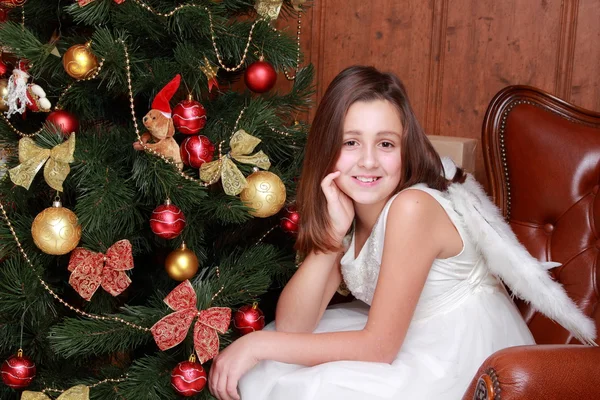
{"x":368,"y":158}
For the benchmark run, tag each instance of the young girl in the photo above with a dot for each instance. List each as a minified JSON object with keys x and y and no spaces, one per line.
{"x":420,"y":258}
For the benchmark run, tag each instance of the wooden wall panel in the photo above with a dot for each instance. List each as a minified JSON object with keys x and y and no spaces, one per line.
{"x":489,"y":45}
{"x":585,"y":85}
{"x":389,"y":35}
{"x":454,"y":55}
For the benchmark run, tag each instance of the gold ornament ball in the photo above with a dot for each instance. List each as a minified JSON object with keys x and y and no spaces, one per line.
{"x":181,"y":264}
{"x":56,"y":230}
{"x":3,"y":93}
{"x":265,"y":194}
{"x":79,"y":61}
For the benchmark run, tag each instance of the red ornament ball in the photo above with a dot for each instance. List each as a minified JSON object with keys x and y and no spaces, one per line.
{"x":12,"y":3}
{"x":3,"y":14}
{"x":248,"y":319}
{"x":18,"y":371}
{"x":189,"y":117}
{"x":260,"y":77}
{"x":188,"y":378}
{"x":167,"y":221}
{"x":290,"y":220}
{"x":196,"y":150}
{"x":63,"y":120}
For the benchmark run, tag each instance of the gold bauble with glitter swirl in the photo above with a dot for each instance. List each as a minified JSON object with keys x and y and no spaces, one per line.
{"x":265,"y":194}
{"x":181,"y":264}
{"x":80,"y":62}
{"x":56,"y":230}
{"x":3,"y":93}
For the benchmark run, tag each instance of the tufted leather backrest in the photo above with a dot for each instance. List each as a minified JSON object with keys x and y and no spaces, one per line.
{"x":542,"y":158}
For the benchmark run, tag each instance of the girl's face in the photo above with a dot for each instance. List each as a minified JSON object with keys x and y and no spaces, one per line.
{"x":370,"y":159}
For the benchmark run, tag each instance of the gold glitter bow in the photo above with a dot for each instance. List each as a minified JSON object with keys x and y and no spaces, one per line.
{"x":233,"y":180}
{"x":79,"y":392}
{"x":32,"y":158}
{"x":268,"y":9}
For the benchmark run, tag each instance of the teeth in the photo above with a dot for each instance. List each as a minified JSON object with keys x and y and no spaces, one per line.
{"x":366,"y":180}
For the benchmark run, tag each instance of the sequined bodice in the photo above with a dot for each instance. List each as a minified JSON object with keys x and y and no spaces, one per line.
{"x":449,"y":280}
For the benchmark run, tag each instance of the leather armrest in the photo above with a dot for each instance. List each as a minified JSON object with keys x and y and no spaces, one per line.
{"x":538,"y":372}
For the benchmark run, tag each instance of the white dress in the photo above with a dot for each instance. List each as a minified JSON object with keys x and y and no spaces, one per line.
{"x":463,"y":316}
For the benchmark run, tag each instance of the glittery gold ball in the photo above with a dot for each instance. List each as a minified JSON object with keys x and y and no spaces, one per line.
{"x":56,"y":230}
{"x":181,"y":264}
{"x":80,"y":62}
{"x":3,"y":93}
{"x":265,"y":194}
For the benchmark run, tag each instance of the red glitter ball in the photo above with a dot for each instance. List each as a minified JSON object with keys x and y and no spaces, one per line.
{"x":167,"y":221}
{"x":18,"y":371}
{"x":248,"y":319}
{"x":188,"y":378}
{"x":196,"y":150}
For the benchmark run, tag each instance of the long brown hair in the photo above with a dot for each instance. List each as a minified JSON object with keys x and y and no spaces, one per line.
{"x":420,"y":162}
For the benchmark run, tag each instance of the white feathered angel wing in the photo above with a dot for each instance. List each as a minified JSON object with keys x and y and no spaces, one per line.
{"x":508,"y":259}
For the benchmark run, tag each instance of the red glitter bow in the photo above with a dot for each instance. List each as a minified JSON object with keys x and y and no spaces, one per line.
{"x":172,"y":329}
{"x":86,"y":2}
{"x":90,"y":269}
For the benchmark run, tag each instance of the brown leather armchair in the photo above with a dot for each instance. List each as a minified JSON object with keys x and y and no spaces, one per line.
{"x":542,"y":158}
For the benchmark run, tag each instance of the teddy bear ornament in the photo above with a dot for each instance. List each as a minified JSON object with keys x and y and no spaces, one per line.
{"x":160,"y":126}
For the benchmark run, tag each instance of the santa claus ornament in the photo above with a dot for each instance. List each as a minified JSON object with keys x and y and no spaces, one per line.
{"x":23,"y":95}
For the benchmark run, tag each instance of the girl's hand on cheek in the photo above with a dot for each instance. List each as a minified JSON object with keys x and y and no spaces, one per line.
{"x":339,"y":206}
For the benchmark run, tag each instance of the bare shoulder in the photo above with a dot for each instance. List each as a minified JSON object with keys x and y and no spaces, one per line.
{"x":414,"y":205}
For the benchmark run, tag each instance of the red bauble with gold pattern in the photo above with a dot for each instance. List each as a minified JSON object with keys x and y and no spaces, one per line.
{"x":248,"y":319}
{"x":63,"y":120}
{"x":167,"y":221}
{"x":189,"y":116}
{"x":290,"y":220}
{"x":196,"y":150}
{"x":18,"y":371}
{"x":188,"y":378}
{"x":12,"y":3}
{"x":260,"y":76}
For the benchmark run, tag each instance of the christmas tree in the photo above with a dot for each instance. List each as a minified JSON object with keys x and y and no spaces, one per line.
{"x":146,"y":188}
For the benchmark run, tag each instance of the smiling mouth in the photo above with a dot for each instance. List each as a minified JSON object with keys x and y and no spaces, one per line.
{"x":366,"y":180}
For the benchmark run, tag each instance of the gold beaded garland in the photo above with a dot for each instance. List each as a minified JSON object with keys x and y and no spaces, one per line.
{"x":265,"y":194}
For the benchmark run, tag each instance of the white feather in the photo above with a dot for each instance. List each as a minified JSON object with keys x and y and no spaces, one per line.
{"x":508,"y":259}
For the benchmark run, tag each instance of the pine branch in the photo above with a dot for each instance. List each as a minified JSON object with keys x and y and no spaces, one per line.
{"x":79,"y":337}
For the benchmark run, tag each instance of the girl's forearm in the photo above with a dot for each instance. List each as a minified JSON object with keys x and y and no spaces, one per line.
{"x":300,"y":303}
{"x":313,"y":349}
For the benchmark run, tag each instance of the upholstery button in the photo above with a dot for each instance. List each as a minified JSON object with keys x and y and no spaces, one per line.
{"x":548,"y":228}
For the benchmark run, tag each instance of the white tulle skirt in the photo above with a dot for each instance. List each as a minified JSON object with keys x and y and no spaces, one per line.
{"x":438,"y":358}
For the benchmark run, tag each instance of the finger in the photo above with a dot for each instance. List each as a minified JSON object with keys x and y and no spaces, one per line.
{"x":328,"y":186}
{"x":213,"y":379}
{"x":222,"y":387}
{"x":231,"y":387}
{"x":329,"y":178}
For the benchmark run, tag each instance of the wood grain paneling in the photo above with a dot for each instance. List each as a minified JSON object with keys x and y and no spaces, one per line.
{"x":390,"y":35}
{"x":454,"y":55}
{"x":585,"y":88}
{"x":489,"y":45}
